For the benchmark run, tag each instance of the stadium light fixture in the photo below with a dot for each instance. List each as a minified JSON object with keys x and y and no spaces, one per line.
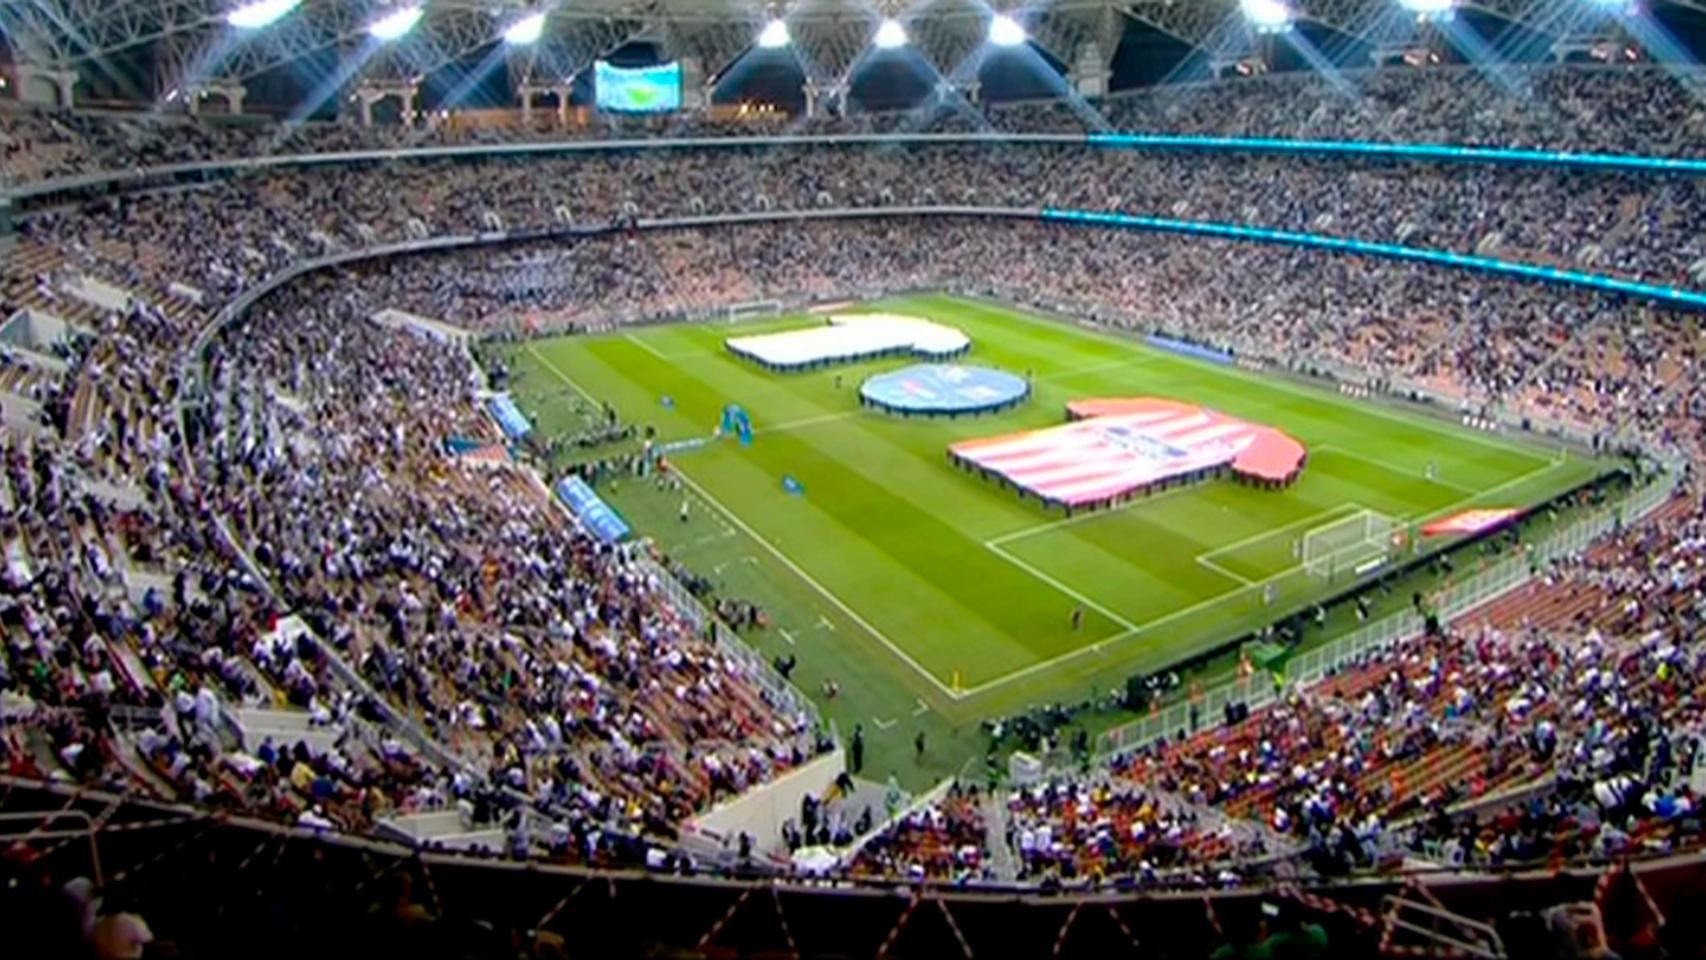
{"x":1004,"y":31}
{"x":775,"y":35}
{"x":394,"y":25}
{"x":890,"y":35}
{"x":1267,"y":16}
{"x":1431,"y":11}
{"x":526,"y":30}
{"x":259,"y":13}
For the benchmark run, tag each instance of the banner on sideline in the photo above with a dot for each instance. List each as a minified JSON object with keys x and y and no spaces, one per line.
{"x":1471,"y":521}
{"x":509,"y":416}
{"x":589,"y":508}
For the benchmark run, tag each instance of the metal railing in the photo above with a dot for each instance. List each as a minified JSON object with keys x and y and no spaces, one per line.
{"x":752,"y":663}
{"x":1312,"y":666}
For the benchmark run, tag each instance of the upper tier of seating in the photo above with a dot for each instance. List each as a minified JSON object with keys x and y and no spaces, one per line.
{"x":1629,"y":109}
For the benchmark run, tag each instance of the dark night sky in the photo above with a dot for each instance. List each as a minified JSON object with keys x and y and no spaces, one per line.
{"x":889,"y":80}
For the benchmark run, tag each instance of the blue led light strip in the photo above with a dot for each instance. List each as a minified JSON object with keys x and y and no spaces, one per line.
{"x":1678,"y":296}
{"x":1402,"y":151}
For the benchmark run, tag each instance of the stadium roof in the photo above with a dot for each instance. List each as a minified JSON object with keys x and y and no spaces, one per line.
{"x":184,"y":42}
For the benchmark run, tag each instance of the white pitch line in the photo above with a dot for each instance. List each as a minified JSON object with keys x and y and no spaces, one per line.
{"x":1133,"y":631}
{"x":1063,"y":588}
{"x":1137,"y":360}
{"x":839,"y":604}
{"x":788,"y":562}
{"x":882,"y":724}
{"x":709,"y":538}
{"x":1048,"y":664}
{"x":534,"y":352}
{"x":1265,"y":534}
{"x":1086,"y":515}
{"x":1390,"y":467}
{"x":787,"y":636}
{"x":1501,"y":488}
{"x":1439,"y":427}
{"x":1217,"y":568}
{"x":654,"y":351}
{"x":805,"y":422}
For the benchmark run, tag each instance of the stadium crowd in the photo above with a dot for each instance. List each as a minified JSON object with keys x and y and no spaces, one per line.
{"x":550,"y":669}
{"x":1635,"y":108}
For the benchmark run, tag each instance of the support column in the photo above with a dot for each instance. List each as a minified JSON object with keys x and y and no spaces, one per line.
{"x":372,"y":92}
{"x":1089,"y":74}
{"x":526,"y":92}
{"x":695,"y":91}
{"x":33,"y":77}
{"x":233,"y":94}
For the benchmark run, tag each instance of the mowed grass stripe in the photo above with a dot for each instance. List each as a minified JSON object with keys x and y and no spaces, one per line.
{"x":893,"y":530}
{"x":869,"y":533}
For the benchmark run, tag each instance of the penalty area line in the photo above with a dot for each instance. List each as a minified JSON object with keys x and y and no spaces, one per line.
{"x":1543,"y":469}
{"x":1348,"y":507}
{"x":1217,"y":568}
{"x":1389,"y":467}
{"x":995,"y":548}
{"x":1025,"y":532}
{"x":1227,"y":596}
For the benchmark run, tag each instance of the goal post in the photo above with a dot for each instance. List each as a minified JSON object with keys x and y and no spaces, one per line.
{"x":751,"y":309}
{"x":1345,"y":543}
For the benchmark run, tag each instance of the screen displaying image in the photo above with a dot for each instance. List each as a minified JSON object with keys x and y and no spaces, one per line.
{"x":638,"y":89}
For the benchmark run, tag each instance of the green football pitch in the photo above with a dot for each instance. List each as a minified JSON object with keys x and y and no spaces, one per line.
{"x":933,"y":598}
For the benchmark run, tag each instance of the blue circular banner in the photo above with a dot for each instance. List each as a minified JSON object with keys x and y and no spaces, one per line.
{"x":944,"y":389}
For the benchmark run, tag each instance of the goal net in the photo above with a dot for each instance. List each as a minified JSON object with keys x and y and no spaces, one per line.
{"x":736,"y":312}
{"x":1342,"y":545}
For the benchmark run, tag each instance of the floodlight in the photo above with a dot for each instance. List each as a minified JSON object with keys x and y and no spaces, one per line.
{"x":395,"y":24}
{"x":890,"y":34}
{"x":1004,"y":31}
{"x":774,"y":36}
{"x":1267,"y":14}
{"x":259,"y":13}
{"x":526,"y":30}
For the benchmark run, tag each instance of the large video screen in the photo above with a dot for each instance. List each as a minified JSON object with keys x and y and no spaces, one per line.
{"x":638,"y":89}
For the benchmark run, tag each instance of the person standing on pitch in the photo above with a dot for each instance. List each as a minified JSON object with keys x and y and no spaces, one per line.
{"x":856,"y":754}
{"x":1078,"y":617}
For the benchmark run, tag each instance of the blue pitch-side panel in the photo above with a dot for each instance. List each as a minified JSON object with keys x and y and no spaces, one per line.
{"x":944,"y":388}
{"x":1678,"y":296}
{"x":596,"y":515}
{"x":1189,"y":349}
{"x":509,"y":416}
{"x":1402,"y":151}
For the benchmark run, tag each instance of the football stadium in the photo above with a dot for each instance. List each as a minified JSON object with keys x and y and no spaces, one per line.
{"x":1204,"y":478}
